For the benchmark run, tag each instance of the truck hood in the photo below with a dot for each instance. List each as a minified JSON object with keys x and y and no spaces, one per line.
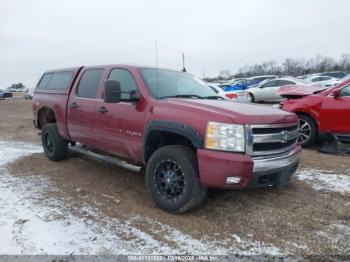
{"x":240,"y":113}
{"x":298,"y":91}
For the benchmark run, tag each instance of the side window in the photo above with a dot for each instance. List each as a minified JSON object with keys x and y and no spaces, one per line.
{"x":60,"y":80}
{"x":285,"y":82}
{"x":89,"y":83}
{"x":270,"y":84}
{"x":44,"y":81}
{"x":345,"y":91}
{"x":127,"y":82}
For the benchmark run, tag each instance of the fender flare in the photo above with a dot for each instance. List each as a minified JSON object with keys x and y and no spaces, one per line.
{"x":187,"y":131}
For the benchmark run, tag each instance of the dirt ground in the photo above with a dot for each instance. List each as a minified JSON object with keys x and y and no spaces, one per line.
{"x":303,"y":219}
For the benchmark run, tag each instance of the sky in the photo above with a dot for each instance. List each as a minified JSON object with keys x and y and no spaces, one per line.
{"x":215,"y":35}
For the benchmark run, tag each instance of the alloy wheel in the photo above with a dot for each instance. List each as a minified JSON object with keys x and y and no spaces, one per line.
{"x":169,"y":179}
{"x":304,"y":131}
{"x":48,"y":142}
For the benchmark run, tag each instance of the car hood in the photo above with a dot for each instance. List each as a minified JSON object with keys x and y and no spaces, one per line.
{"x":240,"y":113}
{"x":298,"y":91}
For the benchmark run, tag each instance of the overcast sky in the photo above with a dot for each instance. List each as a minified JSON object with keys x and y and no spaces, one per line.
{"x":214,"y":35}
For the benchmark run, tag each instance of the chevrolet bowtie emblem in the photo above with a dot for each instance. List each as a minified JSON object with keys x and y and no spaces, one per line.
{"x":284,"y":137}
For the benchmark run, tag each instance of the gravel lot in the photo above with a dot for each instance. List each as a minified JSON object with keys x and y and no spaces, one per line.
{"x":86,"y":206}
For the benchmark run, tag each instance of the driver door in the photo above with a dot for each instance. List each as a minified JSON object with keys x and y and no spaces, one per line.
{"x":267,"y":90}
{"x":335,"y":112}
{"x":119,"y":126}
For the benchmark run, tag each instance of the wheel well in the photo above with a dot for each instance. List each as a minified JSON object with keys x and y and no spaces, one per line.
{"x":45,"y":115}
{"x":158,"y":139}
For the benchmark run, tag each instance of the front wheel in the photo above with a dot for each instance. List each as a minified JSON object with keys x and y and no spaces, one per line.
{"x":307,"y":130}
{"x":55,"y":147}
{"x":251,"y":98}
{"x":172,"y":179}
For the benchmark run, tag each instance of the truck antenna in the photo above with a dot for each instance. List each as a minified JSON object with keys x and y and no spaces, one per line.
{"x":183,"y":63}
{"x":157,"y":67}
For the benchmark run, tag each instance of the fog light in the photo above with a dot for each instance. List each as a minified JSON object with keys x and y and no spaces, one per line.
{"x":233,"y":180}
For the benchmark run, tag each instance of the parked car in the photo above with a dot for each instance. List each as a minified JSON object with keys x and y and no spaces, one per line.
{"x":5,"y":94}
{"x":29,"y":94}
{"x":243,"y":84}
{"x":321,"y":112}
{"x":335,"y":74}
{"x":172,"y":123}
{"x":322,"y":80}
{"x":239,"y":96}
{"x":267,"y":91}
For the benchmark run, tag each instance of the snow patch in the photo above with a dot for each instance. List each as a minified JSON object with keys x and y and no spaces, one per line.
{"x":325,"y":180}
{"x":33,"y":224}
{"x":337,"y":234}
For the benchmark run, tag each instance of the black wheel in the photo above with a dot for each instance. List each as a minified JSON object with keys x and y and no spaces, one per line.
{"x":172,"y":179}
{"x":307,"y":130}
{"x":251,"y":98}
{"x":55,"y":147}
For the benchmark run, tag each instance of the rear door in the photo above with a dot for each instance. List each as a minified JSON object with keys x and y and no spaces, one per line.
{"x":335,"y":112}
{"x":119,"y":126}
{"x":81,"y":106}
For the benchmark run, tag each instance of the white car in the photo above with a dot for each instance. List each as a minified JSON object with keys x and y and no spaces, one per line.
{"x":29,"y":94}
{"x":322,"y":80}
{"x":266,"y":91}
{"x":239,"y":95}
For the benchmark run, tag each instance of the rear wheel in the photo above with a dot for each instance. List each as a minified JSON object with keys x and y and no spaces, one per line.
{"x":172,"y":179}
{"x":55,"y":147}
{"x":307,"y":130}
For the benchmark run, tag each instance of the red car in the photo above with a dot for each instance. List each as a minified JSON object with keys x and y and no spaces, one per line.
{"x":320,"y":112}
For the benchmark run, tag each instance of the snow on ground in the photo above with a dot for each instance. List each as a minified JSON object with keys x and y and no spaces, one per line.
{"x":325,"y":180}
{"x":337,"y":235}
{"x":33,"y":224}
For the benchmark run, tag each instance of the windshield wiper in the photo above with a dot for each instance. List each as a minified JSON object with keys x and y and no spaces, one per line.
{"x":213,"y":97}
{"x":182,"y":96}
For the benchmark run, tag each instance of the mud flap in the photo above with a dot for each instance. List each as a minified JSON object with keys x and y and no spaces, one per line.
{"x":330,"y":144}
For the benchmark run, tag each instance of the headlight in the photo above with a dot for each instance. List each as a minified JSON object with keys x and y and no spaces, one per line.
{"x":225,"y":137}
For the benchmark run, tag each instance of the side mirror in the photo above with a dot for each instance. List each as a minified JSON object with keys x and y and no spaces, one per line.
{"x":135,"y":95}
{"x":336,"y":93}
{"x":112,"y":92}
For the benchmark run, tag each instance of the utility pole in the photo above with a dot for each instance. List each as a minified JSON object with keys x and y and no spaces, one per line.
{"x":183,"y":63}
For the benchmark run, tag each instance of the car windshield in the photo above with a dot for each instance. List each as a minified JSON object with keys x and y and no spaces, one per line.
{"x":164,"y":83}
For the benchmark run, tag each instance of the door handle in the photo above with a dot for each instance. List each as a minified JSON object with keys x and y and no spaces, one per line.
{"x":74,"y":105}
{"x":102,"y":110}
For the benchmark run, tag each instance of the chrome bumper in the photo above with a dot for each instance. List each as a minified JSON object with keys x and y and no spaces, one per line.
{"x":262,"y":164}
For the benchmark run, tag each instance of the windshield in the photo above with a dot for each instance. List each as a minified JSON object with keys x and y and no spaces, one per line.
{"x":163,"y":83}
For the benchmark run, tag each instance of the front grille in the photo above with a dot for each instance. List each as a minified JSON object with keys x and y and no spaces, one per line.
{"x":272,"y":146}
{"x":268,"y":130}
{"x":271,"y":139}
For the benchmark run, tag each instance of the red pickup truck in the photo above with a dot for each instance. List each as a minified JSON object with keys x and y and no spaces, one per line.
{"x":187,"y":137}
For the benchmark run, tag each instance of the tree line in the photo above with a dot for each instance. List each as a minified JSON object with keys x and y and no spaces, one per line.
{"x":289,"y":67}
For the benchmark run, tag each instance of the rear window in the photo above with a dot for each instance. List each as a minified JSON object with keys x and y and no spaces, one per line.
{"x":44,"y":81}
{"x":60,"y":80}
{"x":56,"y":81}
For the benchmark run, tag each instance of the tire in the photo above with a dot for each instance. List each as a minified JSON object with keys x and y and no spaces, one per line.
{"x":307,"y":131}
{"x":172,"y":179}
{"x":251,"y":97}
{"x":55,"y":147}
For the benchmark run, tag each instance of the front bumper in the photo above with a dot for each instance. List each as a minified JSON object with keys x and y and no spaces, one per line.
{"x":215,"y":167}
